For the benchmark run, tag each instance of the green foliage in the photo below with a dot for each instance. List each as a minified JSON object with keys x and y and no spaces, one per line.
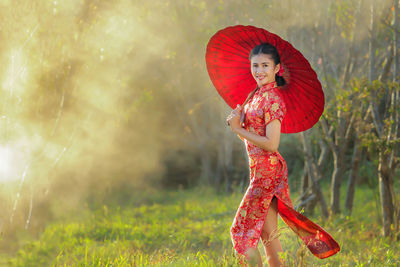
{"x":191,"y":228}
{"x":345,"y":17}
{"x":378,"y":91}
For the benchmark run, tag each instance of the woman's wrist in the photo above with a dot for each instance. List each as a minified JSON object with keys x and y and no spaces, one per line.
{"x":237,"y":130}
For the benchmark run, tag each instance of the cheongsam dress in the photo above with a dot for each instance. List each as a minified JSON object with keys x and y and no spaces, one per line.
{"x":268,"y":179}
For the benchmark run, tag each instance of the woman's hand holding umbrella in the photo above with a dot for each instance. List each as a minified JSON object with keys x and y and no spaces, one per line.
{"x":233,"y":119}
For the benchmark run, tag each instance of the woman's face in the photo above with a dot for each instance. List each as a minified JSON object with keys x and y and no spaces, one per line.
{"x":263,"y":69}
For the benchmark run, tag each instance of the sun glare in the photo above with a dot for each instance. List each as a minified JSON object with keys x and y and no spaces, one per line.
{"x":5,"y":164}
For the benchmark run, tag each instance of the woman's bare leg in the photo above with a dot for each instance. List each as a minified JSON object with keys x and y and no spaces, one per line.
{"x":253,"y":257}
{"x":272,"y":247}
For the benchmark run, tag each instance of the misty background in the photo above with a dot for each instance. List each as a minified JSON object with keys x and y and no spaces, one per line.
{"x":103,"y":99}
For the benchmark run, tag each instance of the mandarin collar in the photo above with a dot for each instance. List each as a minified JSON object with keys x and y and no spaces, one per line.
{"x":268,"y":87}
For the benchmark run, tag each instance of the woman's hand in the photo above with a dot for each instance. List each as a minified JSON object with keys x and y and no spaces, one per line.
{"x":234,"y":118}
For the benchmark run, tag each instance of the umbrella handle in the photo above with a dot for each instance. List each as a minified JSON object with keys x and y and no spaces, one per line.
{"x":242,"y":115}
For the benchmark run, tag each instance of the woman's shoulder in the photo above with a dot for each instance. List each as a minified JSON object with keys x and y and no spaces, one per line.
{"x":275,"y":99}
{"x":272,"y":96}
{"x":278,"y":95}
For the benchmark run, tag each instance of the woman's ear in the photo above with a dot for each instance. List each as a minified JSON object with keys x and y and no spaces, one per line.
{"x":277,"y":67}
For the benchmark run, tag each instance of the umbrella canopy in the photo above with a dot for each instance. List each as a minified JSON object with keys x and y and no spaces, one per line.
{"x":228,"y":64}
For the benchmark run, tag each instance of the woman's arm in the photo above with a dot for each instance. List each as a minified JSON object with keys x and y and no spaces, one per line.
{"x":269,"y":142}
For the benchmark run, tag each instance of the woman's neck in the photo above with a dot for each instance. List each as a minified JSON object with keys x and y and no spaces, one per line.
{"x":269,"y":85}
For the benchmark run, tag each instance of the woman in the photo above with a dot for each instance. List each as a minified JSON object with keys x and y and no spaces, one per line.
{"x":269,"y":111}
{"x":257,"y":214}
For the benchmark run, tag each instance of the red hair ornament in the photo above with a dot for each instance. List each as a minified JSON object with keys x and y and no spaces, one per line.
{"x":281,"y":70}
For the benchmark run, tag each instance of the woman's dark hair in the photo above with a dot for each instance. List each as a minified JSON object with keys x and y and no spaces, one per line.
{"x":269,"y":49}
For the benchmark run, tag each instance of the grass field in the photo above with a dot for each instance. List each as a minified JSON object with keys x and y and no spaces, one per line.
{"x":191,"y":228}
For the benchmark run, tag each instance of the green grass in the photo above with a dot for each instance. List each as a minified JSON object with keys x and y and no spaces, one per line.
{"x":191,"y":228}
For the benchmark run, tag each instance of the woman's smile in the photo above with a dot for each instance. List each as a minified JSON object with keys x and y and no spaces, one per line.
{"x":260,"y":77}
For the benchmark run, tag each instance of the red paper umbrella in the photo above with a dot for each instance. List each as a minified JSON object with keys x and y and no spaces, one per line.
{"x":228,"y":65}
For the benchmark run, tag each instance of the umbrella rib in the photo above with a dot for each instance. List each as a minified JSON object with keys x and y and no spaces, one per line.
{"x":250,"y":45}
{"x":306,"y":95}
{"x":227,"y":36}
{"x":221,"y":49}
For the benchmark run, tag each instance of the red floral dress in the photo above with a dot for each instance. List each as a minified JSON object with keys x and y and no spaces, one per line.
{"x":268,"y":179}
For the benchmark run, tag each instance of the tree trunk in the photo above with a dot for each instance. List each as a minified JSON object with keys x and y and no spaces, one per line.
{"x":311,"y":172}
{"x":372,"y":44}
{"x":323,"y":155}
{"x":205,"y":173}
{"x":385,"y":192}
{"x":355,"y":166}
{"x":338,"y":143}
{"x":396,"y":40}
{"x":352,"y":52}
{"x":228,"y":161}
{"x":228,"y":174}
{"x":308,"y":195}
{"x":304,"y":179}
{"x":336,"y":183}
{"x":219,"y":168}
